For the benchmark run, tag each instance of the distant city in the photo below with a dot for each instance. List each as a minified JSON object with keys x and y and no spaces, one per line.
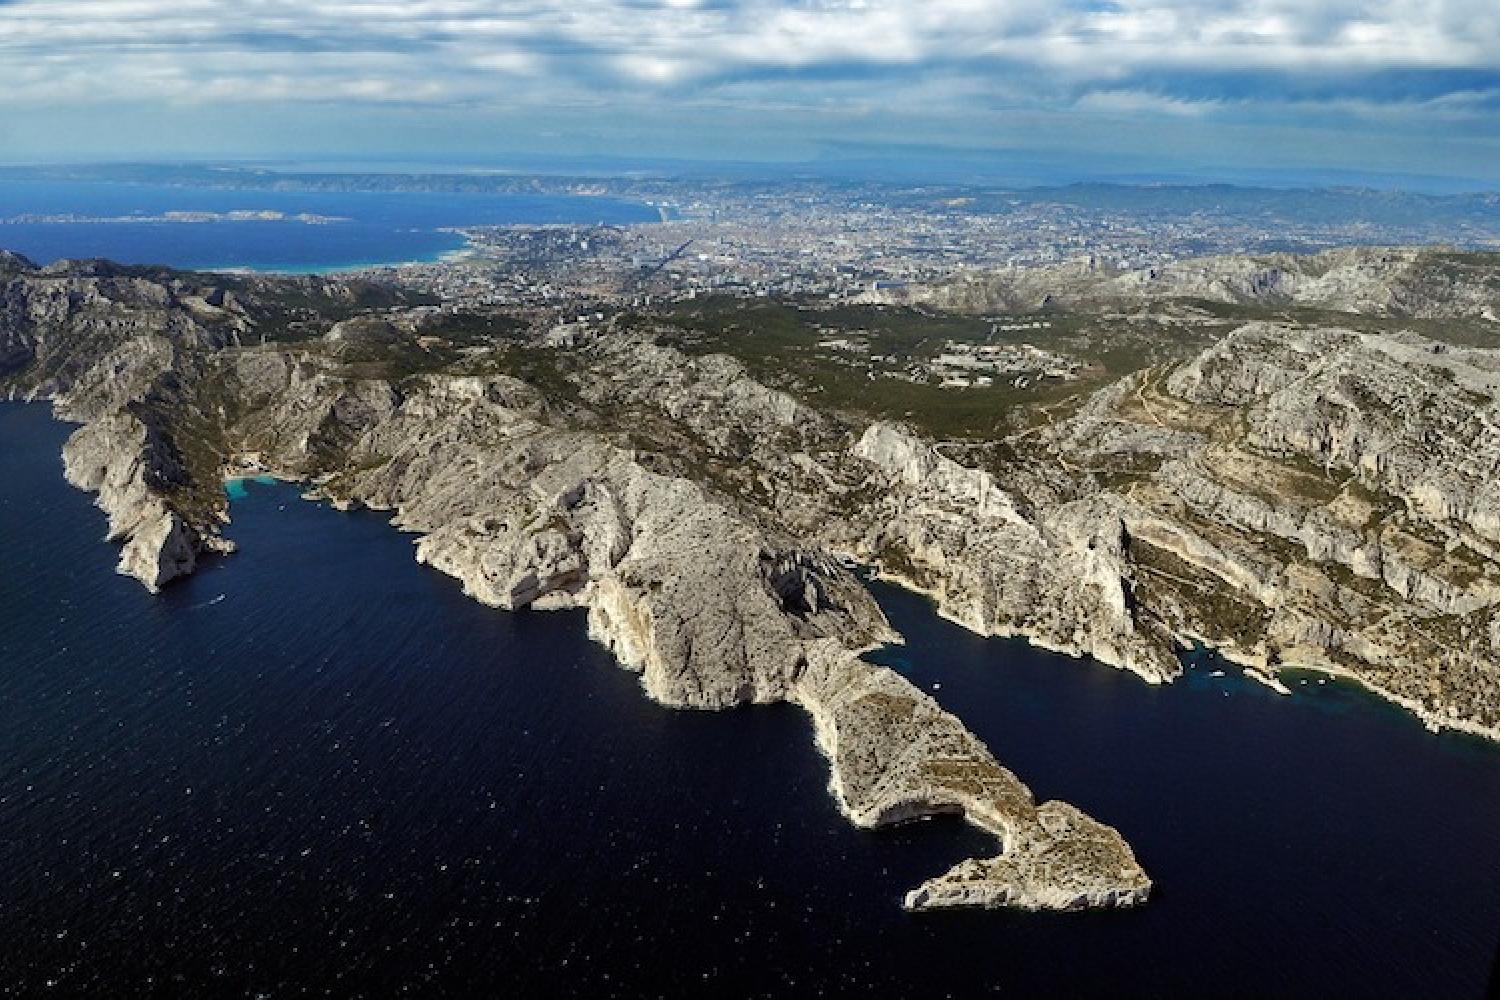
{"x":843,"y":242}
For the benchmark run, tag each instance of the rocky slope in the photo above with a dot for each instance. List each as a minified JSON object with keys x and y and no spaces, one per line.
{"x":711,"y":608}
{"x":1401,"y":282}
{"x":129,"y":463}
{"x":1296,"y":495}
{"x":1323,"y":498}
{"x":123,"y":351}
{"x":896,"y":755}
{"x":1057,"y":574}
{"x":1318,"y":489}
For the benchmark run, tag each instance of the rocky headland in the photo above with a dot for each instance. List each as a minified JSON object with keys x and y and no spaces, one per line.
{"x":1313,"y":490}
{"x":535,"y":496}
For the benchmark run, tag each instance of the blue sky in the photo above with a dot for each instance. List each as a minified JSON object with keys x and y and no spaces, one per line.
{"x":1399,"y":86}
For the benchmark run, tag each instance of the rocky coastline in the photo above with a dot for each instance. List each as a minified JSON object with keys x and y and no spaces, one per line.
{"x":1297,"y":496}
{"x":527,"y":506}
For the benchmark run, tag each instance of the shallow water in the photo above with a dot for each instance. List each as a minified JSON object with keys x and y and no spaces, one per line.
{"x":238,"y":487}
{"x":316,"y":767}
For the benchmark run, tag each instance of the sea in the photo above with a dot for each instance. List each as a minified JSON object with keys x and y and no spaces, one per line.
{"x":316,"y":768}
{"x":209,"y":228}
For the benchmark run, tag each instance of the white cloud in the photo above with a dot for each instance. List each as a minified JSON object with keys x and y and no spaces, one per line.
{"x":1134,"y":102}
{"x":89,"y":51}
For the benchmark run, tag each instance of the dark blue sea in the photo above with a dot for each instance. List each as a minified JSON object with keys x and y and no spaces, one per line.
{"x":316,"y":768}
{"x":371,"y":228}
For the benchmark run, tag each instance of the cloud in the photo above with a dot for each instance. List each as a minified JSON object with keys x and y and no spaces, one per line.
{"x":1172,"y":60}
{"x":1137,"y":102}
{"x":687,"y":43}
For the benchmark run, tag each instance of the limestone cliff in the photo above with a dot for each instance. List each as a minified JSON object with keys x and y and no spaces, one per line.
{"x":129,"y":352}
{"x":127,"y":463}
{"x":1059,"y":576}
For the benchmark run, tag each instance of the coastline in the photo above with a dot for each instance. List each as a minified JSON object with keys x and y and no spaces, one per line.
{"x":452,"y":255}
{"x":1292,"y":660}
{"x":1431,"y":721}
{"x":1029,"y":637}
{"x":365,"y":209}
{"x":841,"y":876}
{"x":836,"y":687}
{"x":1254,"y":667}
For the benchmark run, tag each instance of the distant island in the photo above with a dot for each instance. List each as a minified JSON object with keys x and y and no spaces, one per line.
{"x":244,"y":215}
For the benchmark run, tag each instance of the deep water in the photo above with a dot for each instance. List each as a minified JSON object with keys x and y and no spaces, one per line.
{"x":315,"y":767}
{"x":373,"y":228}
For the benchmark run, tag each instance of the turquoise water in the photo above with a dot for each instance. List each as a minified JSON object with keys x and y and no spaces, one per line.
{"x":315,"y":767}
{"x":237,"y":488}
{"x":124,"y":222}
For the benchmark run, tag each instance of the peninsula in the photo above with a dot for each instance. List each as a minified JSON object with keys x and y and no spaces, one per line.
{"x":530,"y":496}
{"x":1292,"y":459}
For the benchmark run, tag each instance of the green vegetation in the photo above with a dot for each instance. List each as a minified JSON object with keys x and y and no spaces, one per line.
{"x":1226,"y":614}
{"x":341,"y":484}
{"x":544,"y":369}
{"x":894,"y":558}
{"x":883,"y":373}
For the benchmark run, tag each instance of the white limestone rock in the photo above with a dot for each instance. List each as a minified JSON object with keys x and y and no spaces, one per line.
{"x":896,"y":756}
{"x":1058,"y":576}
{"x":129,"y":465}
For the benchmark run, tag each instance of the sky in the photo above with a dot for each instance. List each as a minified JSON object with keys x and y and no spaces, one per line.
{"x":1148,"y":87}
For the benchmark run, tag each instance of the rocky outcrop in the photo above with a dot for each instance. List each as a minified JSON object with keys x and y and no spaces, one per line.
{"x":1402,"y":561}
{"x":1299,"y":496}
{"x":130,"y":352}
{"x":1060,"y":860}
{"x":710,"y":609}
{"x":159,"y":546}
{"x":10,"y":261}
{"x":130,"y":465}
{"x":1058,"y":576}
{"x":532,"y":501}
{"x":1312,"y":496}
{"x":896,"y":755}
{"x":1339,"y":513}
{"x":1407,"y":416}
